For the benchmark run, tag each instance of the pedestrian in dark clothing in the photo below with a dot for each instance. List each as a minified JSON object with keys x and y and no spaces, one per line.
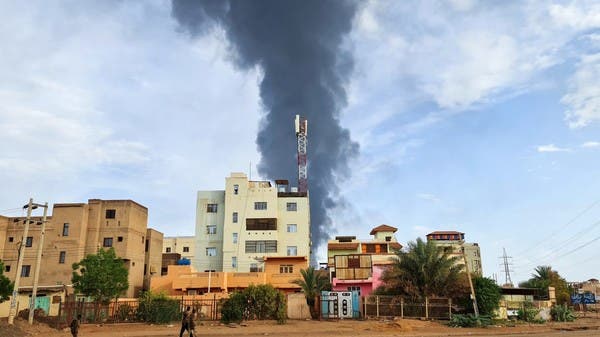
{"x":192,"y":323}
{"x":185,"y":321}
{"x":75,"y":325}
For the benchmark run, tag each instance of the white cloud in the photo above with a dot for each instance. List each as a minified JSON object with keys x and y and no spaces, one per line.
{"x":551,"y":148}
{"x":590,"y":144}
{"x":96,"y":102}
{"x":583,"y":98}
{"x":581,"y":15}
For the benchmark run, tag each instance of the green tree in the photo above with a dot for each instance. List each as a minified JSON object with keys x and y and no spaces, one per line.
{"x":423,"y":270}
{"x":312,"y":283}
{"x":488,"y":295}
{"x":6,"y":286}
{"x":255,"y":302}
{"x":102,"y":276}
{"x":545,"y":277}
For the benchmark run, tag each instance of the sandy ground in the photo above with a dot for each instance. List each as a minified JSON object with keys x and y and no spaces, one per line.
{"x":586,"y":327}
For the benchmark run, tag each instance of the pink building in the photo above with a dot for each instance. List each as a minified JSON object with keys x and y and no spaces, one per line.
{"x":358,"y":265}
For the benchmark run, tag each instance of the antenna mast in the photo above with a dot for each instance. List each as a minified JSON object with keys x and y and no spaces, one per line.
{"x":301,"y":131}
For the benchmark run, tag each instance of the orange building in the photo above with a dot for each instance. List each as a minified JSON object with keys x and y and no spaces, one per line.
{"x":279,"y":271}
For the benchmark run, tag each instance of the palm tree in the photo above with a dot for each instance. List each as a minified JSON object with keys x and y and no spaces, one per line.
{"x":312,"y":283}
{"x":545,"y":277}
{"x":423,"y":270}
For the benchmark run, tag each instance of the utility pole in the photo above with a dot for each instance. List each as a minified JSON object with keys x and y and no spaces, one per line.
{"x":13,"y":301}
{"x":473,"y":297}
{"x":38,"y":262}
{"x":507,"y":279}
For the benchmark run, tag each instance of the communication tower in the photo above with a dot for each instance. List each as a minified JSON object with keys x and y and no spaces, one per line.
{"x":301,"y":131}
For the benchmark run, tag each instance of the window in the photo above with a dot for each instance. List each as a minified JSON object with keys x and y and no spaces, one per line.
{"x":236,"y":188}
{"x":354,"y":288}
{"x":29,"y":241}
{"x":186,"y":249}
{"x":234,"y":217}
{"x":211,"y":229}
{"x":108,"y":242}
{"x":260,"y":205}
{"x":292,"y":250}
{"x":119,"y":238}
{"x":371,"y":249}
{"x":292,"y":228}
{"x":211,"y":251}
{"x":211,"y":208}
{"x":286,"y":269}
{"x":353,"y":261}
{"x":261,"y":224}
{"x":168,"y":250}
{"x":292,"y":207}
{"x":11,"y":239}
{"x":234,"y":262}
{"x":147,"y":245}
{"x":261,"y":246}
{"x":65,"y":229}
{"x":254,"y":268}
{"x":7,"y":268}
{"x":235,"y":238}
{"x":25,"y":270}
{"x":62,"y":256}
{"x":388,"y":238}
{"x":111,"y":213}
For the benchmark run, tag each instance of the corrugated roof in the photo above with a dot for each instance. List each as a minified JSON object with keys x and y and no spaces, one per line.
{"x":383,"y":228}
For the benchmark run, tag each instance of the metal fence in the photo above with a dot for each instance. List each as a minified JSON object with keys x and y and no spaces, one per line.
{"x":125,"y":311}
{"x":395,"y":306}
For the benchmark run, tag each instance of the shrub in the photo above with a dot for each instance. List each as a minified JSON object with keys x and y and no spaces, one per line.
{"x":469,"y":320}
{"x":562,"y":313}
{"x":529,"y":314}
{"x":157,"y":308}
{"x":233,"y":308}
{"x":255,"y":302}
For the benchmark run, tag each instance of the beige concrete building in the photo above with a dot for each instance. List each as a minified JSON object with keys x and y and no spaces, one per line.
{"x":76,"y":229}
{"x":182,"y":245}
{"x":455,"y":242}
{"x":238,"y":228}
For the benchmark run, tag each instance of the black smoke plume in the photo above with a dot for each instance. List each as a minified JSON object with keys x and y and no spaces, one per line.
{"x":298,"y":45}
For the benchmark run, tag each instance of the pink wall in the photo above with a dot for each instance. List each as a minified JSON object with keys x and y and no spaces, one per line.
{"x":365,"y":288}
{"x":377,"y":272}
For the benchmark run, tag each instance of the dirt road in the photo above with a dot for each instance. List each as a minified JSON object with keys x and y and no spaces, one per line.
{"x":410,"y":328}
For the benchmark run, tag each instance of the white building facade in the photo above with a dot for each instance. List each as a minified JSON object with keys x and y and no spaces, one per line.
{"x":248,"y":221}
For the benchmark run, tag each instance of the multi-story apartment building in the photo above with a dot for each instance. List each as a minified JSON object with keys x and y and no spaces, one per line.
{"x":182,"y":245}
{"x":76,"y":229}
{"x":455,"y":243}
{"x":239,"y":227}
{"x":358,"y":265}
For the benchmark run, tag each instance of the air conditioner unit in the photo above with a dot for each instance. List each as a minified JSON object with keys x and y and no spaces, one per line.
{"x":294,"y":189}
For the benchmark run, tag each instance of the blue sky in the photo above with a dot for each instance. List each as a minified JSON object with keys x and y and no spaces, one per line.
{"x":473,"y":116}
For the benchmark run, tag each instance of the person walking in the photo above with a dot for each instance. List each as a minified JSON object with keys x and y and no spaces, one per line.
{"x":75,"y":325}
{"x":192,"y":323}
{"x":185,"y":322}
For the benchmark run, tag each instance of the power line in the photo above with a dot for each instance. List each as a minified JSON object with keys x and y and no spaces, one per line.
{"x":561,"y":228}
{"x":580,"y":247}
